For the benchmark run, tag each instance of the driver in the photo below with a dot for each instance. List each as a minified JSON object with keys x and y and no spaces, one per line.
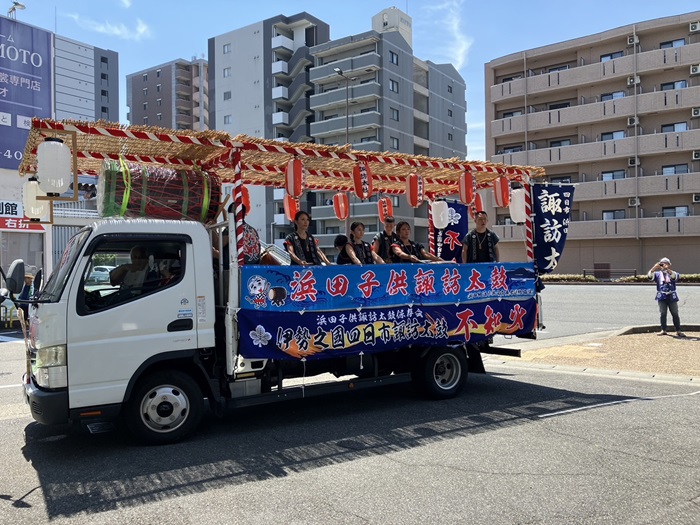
{"x":131,"y":276}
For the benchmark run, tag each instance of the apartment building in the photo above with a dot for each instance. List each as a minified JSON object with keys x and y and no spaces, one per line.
{"x":618,"y":115}
{"x":173,"y":95}
{"x":260,"y":84}
{"x":371,"y":92}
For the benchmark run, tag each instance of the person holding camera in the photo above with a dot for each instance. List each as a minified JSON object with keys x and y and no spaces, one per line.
{"x":666,"y":295}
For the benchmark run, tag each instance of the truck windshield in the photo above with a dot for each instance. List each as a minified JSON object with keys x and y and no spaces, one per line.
{"x":57,"y":281}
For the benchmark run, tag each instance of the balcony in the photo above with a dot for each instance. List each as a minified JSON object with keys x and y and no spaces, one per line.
{"x":282,"y":43}
{"x":623,"y":228}
{"x":652,"y":185}
{"x":336,"y":126}
{"x":351,"y":66}
{"x":652,"y":144}
{"x":279,"y":93}
{"x":583,"y":76}
{"x":336,"y":98}
{"x":280,"y":219}
{"x":594,"y":111}
{"x":357,"y":210}
{"x":280,"y":118}
{"x":279,"y":67}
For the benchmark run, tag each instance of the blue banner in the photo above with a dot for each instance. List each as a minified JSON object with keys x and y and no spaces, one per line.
{"x":315,"y":312}
{"x":552,"y":210}
{"x":25,"y":85}
{"x":448,"y":241}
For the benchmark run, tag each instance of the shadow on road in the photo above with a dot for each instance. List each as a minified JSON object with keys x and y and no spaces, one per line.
{"x":96,"y":473}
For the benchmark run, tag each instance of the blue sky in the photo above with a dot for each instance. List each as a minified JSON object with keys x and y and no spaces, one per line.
{"x":466,"y":33}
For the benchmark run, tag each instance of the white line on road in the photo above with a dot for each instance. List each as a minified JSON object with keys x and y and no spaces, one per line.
{"x":11,"y":386}
{"x":571,"y":410}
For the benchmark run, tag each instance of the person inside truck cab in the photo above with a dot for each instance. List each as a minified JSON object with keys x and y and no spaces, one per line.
{"x":169,"y":271}
{"x":132,"y":275}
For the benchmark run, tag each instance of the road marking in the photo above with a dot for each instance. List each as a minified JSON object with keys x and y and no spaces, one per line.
{"x":630,"y":400}
{"x":12,"y":386}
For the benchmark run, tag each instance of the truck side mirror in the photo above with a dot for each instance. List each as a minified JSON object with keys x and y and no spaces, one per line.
{"x":14,"y":279}
{"x":38,"y":282}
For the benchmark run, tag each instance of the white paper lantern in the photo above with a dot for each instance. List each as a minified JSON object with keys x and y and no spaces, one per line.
{"x":53,"y":166}
{"x":517,"y":205}
{"x":34,"y":209}
{"x":439,"y":210}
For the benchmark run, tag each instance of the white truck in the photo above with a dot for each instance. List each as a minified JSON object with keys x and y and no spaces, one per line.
{"x":155,"y":353}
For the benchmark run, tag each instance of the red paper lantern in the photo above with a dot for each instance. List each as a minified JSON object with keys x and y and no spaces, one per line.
{"x":415,"y":190}
{"x":362,"y":180}
{"x":467,"y":187}
{"x":476,"y":206}
{"x":341,"y":205}
{"x":291,"y":207}
{"x":501,"y":192}
{"x":294,"y":178}
{"x":385,"y":208}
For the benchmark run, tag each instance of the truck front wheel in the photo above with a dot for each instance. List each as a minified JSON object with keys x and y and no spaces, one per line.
{"x":442,"y":373}
{"x":165,"y":408}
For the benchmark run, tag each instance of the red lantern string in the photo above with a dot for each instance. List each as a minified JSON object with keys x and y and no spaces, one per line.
{"x":291,"y":207}
{"x":385,"y":208}
{"x":362,"y":180}
{"x":293,"y":178}
{"x":414,"y":190}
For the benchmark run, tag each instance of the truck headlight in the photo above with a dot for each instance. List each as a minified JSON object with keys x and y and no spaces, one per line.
{"x":50,"y":370}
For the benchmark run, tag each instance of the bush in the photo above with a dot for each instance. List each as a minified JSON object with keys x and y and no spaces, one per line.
{"x":568,"y":278}
{"x":575,"y":278}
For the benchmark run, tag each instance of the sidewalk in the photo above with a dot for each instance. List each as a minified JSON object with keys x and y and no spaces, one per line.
{"x":633,"y":349}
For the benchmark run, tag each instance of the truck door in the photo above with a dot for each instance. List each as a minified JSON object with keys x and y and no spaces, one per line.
{"x":134,"y":300}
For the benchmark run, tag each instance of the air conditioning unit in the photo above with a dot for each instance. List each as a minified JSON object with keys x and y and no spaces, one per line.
{"x":696,"y":198}
{"x":633,"y":201}
{"x":632,"y":121}
{"x":695,"y":112}
{"x":633,"y":161}
{"x":634,"y":80}
{"x":694,"y":27}
{"x":695,"y":69}
{"x":696,"y":154}
{"x":632,"y":40}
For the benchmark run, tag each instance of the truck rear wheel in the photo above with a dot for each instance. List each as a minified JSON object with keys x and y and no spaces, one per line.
{"x":442,"y":373}
{"x":165,"y":408}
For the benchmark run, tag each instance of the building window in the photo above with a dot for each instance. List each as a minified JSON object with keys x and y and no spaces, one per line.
{"x":104,"y":60}
{"x":394,"y":58}
{"x":670,"y":128}
{"x":613,"y":215}
{"x":612,"y":175}
{"x":611,"y":56}
{"x":449,"y":89}
{"x":328,"y":117}
{"x":145,"y":77}
{"x":612,"y":96}
{"x":332,"y":229}
{"x":672,"y":43}
{"x":227,"y":119}
{"x":558,"y":68}
{"x":678,"y":84}
{"x":158,"y":88}
{"x":561,"y":180}
{"x":145,"y":120}
{"x":159,"y":102}
{"x":394,"y":143}
{"x":368,"y":139}
{"x":104,"y":76}
{"x":510,"y":79}
{"x":449,"y":137}
{"x":559,"y":143}
{"x":559,"y":105}
{"x":514,"y":113}
{"x":512,"y":149}
{"x":227,"y":49}
{"x":145,"y":106}
{"x":394,"y":114}
{"x":674,"y":211}
{"x":158,"y":73}
{"x":393,"y":86}
{"x":227,"y":72}
{"x":612,"y":135}
{"x":449,"y":112}
{"x":674,"y":169}
{"x":227,"y":95}
{"x":159,"y":116}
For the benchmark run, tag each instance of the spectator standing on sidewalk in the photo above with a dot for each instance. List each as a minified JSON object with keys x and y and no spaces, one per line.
{"x":666,"y":295}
